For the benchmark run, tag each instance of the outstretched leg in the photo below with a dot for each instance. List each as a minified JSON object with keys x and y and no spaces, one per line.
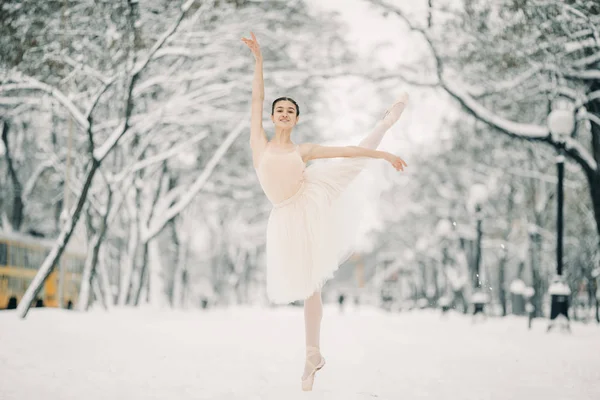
{"x":347,"y":170}
{"x":373,"y":139}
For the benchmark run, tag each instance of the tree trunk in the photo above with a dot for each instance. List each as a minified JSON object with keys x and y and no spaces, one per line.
{"x":142,"y":278}
{"x":597,"y":309}
{"x":92,"y":261}
{"x":535,"y":254}
{"x":61,"y":243}
{"x":179,"y":274}
{"x":89,"y":271}
{"x":156,"y":287}
{"x":98,"y":292}
{"x":594,"y":295}
{"x":103,"y":278}
{"x":86,"y":281}
{"x":17,"y":204}
{"x":594,"y":177}
{"x":435,"y":279}
{"x":125,"y":289}
{"x":502,"y":284}
{"x":425,"y":281}
{"x":521,"y":270}
{"x":594,"y":182}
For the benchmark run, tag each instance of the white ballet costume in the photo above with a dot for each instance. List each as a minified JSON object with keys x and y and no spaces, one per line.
{"x":313,"y":225}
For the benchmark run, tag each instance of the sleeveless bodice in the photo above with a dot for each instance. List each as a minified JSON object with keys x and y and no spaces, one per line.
{"x":280,"y":174}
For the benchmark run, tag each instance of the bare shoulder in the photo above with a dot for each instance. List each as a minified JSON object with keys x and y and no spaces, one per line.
{"x":305,"y":150}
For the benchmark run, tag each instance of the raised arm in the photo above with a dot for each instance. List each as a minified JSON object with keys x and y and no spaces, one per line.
{"x":311,"y":151}
{"x":258,"y":138}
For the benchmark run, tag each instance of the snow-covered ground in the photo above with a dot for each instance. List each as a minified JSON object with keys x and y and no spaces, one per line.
{"x":246,"y":353}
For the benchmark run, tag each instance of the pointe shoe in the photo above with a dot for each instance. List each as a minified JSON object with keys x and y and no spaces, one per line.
{"x":402,"y":99}
{"x":307,"y":382}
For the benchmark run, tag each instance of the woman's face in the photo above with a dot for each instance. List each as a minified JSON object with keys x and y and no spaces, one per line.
{"x":284,"y":115}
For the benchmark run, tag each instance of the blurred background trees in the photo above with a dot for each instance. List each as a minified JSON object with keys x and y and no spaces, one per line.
{"x":175,"y":215}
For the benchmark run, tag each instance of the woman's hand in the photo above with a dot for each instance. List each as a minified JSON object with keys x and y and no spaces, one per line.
{"x":253,"y":45}
{"x":396,"y":161}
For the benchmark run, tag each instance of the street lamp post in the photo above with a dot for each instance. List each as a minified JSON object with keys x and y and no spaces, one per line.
{"x":561,"y":123}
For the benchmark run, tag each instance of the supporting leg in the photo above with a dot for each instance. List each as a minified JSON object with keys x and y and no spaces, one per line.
{"x":313,"y":314}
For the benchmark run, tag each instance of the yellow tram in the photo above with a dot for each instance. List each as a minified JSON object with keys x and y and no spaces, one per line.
{"x":20,"y":258}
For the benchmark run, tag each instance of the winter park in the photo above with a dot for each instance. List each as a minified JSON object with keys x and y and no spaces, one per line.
{"x":335,"y":199}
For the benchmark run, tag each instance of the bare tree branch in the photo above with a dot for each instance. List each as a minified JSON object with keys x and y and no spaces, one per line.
{"x":35,"y":176}
{"x":101,"y":152}
{"x":586,"y":61}
{"x":30,"y":83}
{"x":156,"y":226}
{"x":142,"y":64}
{"x":519,"y":130}
{"x":173,"y":151}
{"x":589,"y":74}
{"x":82,"y":67}
{"x":592,"y":118}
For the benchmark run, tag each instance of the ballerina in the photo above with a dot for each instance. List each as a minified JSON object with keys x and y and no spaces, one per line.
{"x":310,"y":230}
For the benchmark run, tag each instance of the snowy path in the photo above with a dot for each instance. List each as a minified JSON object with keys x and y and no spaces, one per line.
{"x":257,"y":354}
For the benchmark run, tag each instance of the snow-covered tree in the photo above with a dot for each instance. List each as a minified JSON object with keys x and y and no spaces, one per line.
{"x":158,"y":104}
{"x":507,"y":61}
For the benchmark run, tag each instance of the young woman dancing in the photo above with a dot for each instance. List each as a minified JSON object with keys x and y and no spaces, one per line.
{"x":312,"y":224}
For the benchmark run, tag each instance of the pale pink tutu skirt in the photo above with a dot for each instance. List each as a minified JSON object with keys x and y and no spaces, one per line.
{"x":310,"y":234}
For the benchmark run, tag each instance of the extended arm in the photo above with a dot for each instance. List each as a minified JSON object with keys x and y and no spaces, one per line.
{"x":314,"y":151}
{"x":257,"y":133}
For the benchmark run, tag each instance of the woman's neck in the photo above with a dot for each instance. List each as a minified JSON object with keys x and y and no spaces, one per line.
{"x":282,"y":136}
